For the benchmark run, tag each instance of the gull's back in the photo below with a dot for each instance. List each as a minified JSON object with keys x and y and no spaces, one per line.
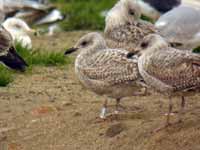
{"x":127,"y":36}
{"x":108,"y":72}
{"x":171,"y":70}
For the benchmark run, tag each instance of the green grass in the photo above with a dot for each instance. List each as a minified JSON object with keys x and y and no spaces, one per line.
{"x":83,"y":15}
{"x":197,"y":50}
{"x":143,"y":17}
{"x":33,"y":58}
{"x":6,"y":76}
{"x":39,"y":57}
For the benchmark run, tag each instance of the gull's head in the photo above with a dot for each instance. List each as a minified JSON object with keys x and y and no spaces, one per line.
{"x":152,"y":42}
{"x":125,"y":11}
{"x":17,"y":25}
{"x":91,"y":41}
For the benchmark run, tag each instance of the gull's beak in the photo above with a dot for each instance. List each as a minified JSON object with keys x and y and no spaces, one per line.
{"x":71,"y":50}
{"x":131,"y":54}
{"x":13,"y":60}
{"x":135,"y":52}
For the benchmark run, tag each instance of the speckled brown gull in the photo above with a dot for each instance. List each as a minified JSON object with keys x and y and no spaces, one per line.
{"x":181,"y":26}
{"x":106,"y":71}
{"x":170,"y":71}
{"x":124,"y":28}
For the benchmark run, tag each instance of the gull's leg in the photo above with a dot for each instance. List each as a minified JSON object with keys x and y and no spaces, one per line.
{"x":182,"y":110}
{"x":169,"y":111}
{"x":168,"y":117}
{"x":117,"y":106}
{"x":104,"y":110}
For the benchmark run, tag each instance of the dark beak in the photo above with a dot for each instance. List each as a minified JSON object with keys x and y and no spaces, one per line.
{"x":131,"y":54}
{"x":71,"y":50}
{"x":13,"y":60}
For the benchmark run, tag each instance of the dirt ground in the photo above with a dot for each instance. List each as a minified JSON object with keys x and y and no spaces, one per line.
{"x":50,"y":110}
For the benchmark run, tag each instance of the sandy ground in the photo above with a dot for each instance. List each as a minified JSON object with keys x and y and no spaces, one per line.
{"x":50,"y":110}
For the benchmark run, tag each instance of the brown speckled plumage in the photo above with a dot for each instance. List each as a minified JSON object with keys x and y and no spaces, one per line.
{"x":174,"y":68}
{"x":170,"y":71}
{"x":102,"y":69}
{"x":106,"y":71}
{"x":125,"y":30}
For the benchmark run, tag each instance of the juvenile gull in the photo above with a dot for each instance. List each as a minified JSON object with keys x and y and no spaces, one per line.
{"x":19,"y":31}
{"x":170,"y":71}
{"x":124,"y":28}
{"x":106,"y":71}
{"x":8,"y":54}
{"x":181,"y":26}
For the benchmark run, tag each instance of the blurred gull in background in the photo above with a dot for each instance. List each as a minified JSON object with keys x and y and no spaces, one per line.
{"x":19,"y":8}
{"x":181,"y":26}
{"x":32,"y":12}
{"x":155,"y":8}
{"x":19,"y":31}
{"x":54,"y":16}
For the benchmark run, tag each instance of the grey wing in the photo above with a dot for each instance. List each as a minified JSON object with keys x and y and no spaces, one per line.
{"x":113,"y":67}
{"x":180,"y":24}
{"x":180,"y":70}
{"x":5,"y":39}
{"x":127,"y":36}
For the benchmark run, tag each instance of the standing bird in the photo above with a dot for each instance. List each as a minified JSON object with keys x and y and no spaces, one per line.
{"x":124,"y":28}
{"x":106,"y":71}
{"x":181,"y":26}
{"x":169,"y":71}
{"x":8,"y":54}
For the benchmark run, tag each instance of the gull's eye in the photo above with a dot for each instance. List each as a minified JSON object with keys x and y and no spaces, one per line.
{"x":84,"y":43}
{"x":144,"y":45}
{"x":132,"y":12}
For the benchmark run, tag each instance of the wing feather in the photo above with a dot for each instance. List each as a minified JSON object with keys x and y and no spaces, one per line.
{"x":112,"y":66}
{"x":180,"y":70}
{"x":127,"y":36}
